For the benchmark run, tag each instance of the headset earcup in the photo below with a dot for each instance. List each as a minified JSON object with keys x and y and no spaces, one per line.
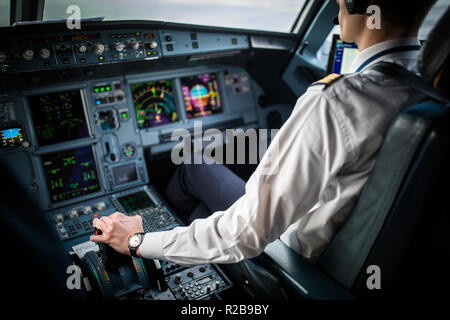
{"x":357,"y":6}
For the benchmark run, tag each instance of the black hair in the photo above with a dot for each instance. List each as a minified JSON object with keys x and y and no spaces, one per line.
{"x":405,"y":13}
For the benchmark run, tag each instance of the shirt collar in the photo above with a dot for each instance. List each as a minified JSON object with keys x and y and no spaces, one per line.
{"x":378,"y":48}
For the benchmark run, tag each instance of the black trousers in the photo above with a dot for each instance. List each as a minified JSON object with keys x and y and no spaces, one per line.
{"x":216,"y":187}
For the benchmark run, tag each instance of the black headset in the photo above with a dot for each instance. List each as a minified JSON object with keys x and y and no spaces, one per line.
{"x":357,"y":6}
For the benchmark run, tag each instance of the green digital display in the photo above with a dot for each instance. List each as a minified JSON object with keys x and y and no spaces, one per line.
{"x":70,"y":174}
{"x":58,"y":117}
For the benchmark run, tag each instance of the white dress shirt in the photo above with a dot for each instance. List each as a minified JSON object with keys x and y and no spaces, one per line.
{"x":327,"y":149}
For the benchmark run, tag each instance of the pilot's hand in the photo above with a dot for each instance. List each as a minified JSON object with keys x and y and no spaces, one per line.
{"x":116,"y":229}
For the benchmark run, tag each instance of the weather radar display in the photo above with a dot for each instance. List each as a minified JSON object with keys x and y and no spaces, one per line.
{"x":201,"y":95}
{"x":154,"y":103}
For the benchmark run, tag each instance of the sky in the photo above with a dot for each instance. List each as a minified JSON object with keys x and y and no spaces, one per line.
{"x":271,"y":15}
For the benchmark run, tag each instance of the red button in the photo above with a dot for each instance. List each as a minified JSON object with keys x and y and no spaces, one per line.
{"x":96,"y":215}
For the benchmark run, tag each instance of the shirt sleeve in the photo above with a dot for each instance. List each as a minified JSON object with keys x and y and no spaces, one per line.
{"x":305,"y":154}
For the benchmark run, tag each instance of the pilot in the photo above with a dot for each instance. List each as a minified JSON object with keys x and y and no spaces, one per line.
{"x":321,"y":159}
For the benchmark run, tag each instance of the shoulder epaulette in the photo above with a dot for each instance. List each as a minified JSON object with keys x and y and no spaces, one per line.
{"x":328,"y":80}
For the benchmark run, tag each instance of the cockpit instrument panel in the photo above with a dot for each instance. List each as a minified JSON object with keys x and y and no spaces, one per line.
{"x":12,"y":137}
{"x":154,"y":103}
{"x":58,"y":117}
{"x":201,"y":95}
{"x":70,"y":174}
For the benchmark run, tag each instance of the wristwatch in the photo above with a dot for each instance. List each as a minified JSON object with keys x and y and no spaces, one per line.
{"x":134,"y":241}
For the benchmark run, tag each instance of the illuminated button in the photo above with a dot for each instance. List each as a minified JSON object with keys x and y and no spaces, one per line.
{"x":96,"y":215}
{"x":100,"y":206}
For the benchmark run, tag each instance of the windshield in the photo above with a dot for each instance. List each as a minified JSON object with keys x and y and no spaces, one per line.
{"x":267,"y":15}
{"x":4,"y":13}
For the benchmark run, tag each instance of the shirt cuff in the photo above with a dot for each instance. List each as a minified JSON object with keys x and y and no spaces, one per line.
{"x":151,"y":247}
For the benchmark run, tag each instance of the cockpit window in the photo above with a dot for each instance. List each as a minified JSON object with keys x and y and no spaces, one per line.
{"x":268,"y":15}
{"x":433,"y":17}
{"x":4,"y":13}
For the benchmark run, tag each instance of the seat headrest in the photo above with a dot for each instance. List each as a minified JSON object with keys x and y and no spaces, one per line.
{"x":434,"y":61}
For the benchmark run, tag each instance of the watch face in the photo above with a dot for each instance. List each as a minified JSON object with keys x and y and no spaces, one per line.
{"x":135,"y":240}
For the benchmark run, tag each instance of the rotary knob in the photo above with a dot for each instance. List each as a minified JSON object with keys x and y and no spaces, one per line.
{"x":28,"y":55}
{"x":134,"y":44}
{"x":153,"y":44}
{"x":100,"y":206}
{"x":81,"y":49}
{"x":177,"y":278}
{"x":99,"y":48}
{"x":119,"y":46}
{"x":58,"y":218}
{"x":44,"y":53}
{"x":73,"y":214}
{"x":87,"y":210}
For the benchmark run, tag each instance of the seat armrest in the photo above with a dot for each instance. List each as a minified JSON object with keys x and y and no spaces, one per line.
{"x":306,"y":279}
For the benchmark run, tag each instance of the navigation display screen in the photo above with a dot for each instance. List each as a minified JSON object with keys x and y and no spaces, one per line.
{"x":201,"y":95}
{"x":342,"y":56}
{"x":154,"y":103}
{"x":58,"y":117}
{"x":70,"y":174}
